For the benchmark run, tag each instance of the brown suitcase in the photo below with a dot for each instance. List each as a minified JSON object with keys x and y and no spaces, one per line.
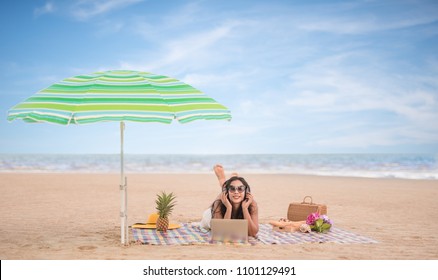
{"x":298,"y":211}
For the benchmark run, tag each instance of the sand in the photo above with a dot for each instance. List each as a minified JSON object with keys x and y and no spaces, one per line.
{"x":76,"y":216}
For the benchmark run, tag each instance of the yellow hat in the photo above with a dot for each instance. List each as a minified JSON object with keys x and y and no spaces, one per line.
{"x":152,"y":223}
{"x":152,"y":219}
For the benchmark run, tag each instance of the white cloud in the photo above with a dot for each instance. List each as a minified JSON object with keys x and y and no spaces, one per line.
{"x":181,"y":55}
{"x":194,"y":48}
{"x":356,"y":96}
{"x":363,"y":139}
{"x":335,"y":84}
{"x":338,"y":19}
{"x":368,"y":136}
{"x":46,"y":9}
{"x":361,"y":26}
{"x":86,"y":9}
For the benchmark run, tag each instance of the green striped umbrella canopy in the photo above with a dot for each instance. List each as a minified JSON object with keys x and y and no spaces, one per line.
{"x":119,"y":95}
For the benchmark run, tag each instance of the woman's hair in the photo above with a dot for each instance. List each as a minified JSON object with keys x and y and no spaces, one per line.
{"x":218,"y":206}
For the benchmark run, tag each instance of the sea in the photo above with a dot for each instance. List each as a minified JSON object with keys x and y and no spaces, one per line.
{"x":406,"y":166}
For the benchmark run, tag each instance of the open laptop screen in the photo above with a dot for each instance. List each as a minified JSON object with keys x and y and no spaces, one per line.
{"x":229,"y":230}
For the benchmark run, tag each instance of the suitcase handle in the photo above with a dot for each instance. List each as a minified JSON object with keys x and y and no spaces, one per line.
{"x":304,"y":200}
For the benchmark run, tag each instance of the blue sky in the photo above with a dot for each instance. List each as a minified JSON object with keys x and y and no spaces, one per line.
{"x":298,"y":76}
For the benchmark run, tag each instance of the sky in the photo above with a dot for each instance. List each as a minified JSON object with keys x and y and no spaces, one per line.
{"x":298,"y":76}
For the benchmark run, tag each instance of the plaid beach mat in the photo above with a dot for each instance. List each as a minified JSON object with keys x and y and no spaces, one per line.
{"x":191,"y":233}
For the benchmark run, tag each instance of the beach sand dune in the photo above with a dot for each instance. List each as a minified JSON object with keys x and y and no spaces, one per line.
{"x":76,"y":216}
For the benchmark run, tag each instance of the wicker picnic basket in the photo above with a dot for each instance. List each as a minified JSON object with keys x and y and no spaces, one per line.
{"x":298,"y":211}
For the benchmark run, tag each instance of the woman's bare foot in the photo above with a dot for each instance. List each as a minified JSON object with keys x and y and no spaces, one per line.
{"x":220,"y":174}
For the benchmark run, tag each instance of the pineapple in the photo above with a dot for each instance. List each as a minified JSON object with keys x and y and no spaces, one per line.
{"x":165,"y":203}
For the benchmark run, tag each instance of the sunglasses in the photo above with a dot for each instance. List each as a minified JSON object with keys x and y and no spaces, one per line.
{"x":239,"y":189}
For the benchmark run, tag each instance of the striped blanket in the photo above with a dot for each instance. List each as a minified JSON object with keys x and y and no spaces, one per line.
{"x":190,"y":233}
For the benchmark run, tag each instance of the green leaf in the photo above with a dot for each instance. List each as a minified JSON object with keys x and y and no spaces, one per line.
{"x":319,"y":222}
{"x":326,"y":226}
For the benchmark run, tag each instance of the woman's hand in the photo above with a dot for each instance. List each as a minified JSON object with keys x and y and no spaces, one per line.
{"x":247,"y":201}
{"x":225,"y":200}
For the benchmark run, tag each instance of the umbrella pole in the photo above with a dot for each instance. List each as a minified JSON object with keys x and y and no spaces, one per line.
{"x":123,"y":192}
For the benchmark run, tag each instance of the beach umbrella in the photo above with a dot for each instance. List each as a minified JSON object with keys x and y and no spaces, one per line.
{"x":119,"y":95}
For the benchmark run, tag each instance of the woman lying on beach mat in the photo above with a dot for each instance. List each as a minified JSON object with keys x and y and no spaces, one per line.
{"x":234,"y":202}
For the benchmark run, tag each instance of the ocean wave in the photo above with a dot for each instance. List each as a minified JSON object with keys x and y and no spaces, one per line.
{"x":407,"y":166}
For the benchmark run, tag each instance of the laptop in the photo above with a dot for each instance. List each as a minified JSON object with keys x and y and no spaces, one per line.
{"x":229,"y":230}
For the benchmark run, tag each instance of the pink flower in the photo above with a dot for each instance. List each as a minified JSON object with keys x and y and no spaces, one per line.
{"x":312,"y":218}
